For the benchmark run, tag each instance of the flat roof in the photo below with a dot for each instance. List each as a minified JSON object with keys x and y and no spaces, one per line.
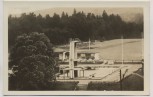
{"x":75,"y":68}
{"x":78,"y":51}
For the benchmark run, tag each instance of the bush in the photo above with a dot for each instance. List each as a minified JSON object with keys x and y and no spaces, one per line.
{"x":133,"y":83}
{"x":63,"y":86}
{"x":103,"y":86}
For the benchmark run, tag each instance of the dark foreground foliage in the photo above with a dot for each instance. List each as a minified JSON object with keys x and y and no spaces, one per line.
{"x":51,"y":86}
{"x":131,"y":83}
{"x":63,"y":86}
{"x":108,"y":86}
{"x":32,"y":62}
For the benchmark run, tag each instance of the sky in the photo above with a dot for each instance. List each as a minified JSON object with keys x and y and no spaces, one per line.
{"x":69,"y":10}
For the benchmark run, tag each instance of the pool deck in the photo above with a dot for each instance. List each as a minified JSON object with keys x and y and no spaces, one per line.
{"x":113,"y":76}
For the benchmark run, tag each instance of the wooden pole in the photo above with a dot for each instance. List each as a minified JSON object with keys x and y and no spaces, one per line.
{"x":122,"y":49}
{"x":89,"y":43}
{"x":120,"y":79}
{"x":83,"y":73}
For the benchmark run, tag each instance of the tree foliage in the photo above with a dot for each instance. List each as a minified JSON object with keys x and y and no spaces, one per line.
{"x":59,"y":28}
{"x":33,"y":57}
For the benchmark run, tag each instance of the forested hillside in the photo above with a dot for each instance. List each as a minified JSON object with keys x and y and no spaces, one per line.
{"x":60,"y":28}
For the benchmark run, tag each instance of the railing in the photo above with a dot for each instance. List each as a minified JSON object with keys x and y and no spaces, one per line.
{"x":128,"y":62}
{"x":107,"y":62}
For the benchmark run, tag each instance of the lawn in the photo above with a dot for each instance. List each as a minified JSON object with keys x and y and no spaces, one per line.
{"x":132,"y":49}
{"x":112,"y":49}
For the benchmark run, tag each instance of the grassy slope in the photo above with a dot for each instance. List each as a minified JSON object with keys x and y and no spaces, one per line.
{"x":112,"y":49}
{"x":132,"y":49}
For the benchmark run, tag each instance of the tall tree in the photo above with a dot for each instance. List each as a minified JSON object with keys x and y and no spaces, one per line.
{"x":105,"y":15}
{"x":33,"y":57}
{"x":56,"y":20}
{"x":64,"y":20}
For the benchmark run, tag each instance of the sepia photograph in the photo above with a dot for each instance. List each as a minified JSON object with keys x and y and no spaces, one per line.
{"x":76,"y":48}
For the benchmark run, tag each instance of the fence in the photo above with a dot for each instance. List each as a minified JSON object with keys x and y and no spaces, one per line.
{"x":108,"y":62}
{"x":128,"y":62}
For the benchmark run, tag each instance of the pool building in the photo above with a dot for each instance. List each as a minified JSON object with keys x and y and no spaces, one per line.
{"x":72,"y":58}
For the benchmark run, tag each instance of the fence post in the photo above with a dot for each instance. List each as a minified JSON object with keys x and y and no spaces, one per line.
{"x":120,"y":79}
{"x":83,"y":73}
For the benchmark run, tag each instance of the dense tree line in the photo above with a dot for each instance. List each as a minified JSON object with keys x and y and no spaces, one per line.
{"x":60,"y":28}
